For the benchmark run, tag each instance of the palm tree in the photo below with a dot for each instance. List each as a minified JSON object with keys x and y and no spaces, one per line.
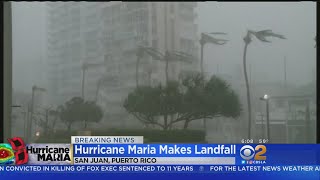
{"x":206,"y":38}
{"x":157,"y":55}
{"x":261,"y":35}
{"x":139,"y":54}
{"x":141,"y":50}
{"x":168,"y":56}
{"x":172,"y":56}
{"x":85,"y":67}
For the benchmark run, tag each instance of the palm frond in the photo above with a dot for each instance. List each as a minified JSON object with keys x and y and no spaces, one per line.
{"x":209,"y":39}
{"x":154,"y":53}
{"x":223,"y":33}
{"x":181,"y":56}
{"x":262,"y":38}
{"x":262,"y":35}
{"x":150,"y":51}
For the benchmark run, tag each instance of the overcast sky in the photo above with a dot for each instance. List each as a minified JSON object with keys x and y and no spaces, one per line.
{"x":28,"y":38}
{"x":295,"y":20}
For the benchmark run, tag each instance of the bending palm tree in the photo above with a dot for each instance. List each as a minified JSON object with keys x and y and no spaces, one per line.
{"x":261,"y":35}
{"x":205,"y":38}
{"x":85,"y":67}
{"x":168,"y":56}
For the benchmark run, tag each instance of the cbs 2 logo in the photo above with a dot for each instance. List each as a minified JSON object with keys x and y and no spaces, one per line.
{"x":247,"y":152}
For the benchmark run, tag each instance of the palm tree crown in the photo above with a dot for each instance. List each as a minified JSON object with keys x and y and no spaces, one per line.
{"x":261,"y":35}
{"x":206,"y":38}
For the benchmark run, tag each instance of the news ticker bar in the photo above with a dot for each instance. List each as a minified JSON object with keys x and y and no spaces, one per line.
{"x":157,"y":160}
{"x":161,"y":168}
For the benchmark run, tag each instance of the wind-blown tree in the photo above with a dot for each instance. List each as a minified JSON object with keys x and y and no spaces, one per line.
{"x":207,"y":99}
{"x":169,"y":56}
{"x":91,"y":113}
{"x":55,"y":114}
{"x":207,"y":39}
{"x":147,"y":104}
{"x":69,"y":112}
{"x":260,"y":35}
{"x":191,"y":99}
{"x":76,"y":109}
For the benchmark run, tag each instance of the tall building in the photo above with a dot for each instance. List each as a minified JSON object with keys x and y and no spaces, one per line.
{"x":73,"y":39}
{"x":107,"y":34}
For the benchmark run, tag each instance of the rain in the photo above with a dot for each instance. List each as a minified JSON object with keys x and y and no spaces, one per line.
{"x":209,"y":72}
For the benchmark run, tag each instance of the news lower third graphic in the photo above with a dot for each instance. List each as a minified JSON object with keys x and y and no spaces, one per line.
{"x":126,"y":154}
{"x":17,"y":153}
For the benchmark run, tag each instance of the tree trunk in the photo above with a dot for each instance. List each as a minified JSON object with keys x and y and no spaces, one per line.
{"x":167,"y":70}
{"x":248,"y":88}
{"x":165,"y":122}
{"x":171,"y":120}
{"x":201,"y":59}
{"x":186,"y":124}
{"x":202,"y":74}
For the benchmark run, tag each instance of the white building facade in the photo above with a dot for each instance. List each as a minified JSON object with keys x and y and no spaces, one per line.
{"x":107,"y":34}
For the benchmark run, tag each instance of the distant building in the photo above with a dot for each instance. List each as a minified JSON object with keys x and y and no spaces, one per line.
{"x":288,"y":113}
{"x":292,"y":116}
{"x":74,"y":37}
{"x":108,"y":33}
{"x":163,"y":26}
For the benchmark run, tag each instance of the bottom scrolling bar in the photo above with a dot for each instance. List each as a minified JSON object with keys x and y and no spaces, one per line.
{"x":308,"y":169}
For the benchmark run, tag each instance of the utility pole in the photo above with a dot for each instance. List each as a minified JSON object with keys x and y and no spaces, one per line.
{"x":262,"y":125}
{"x":268,"y":120}
{"x":29,"y":127}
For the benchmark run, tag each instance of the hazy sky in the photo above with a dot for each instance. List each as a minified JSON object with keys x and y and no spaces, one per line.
{"x":295,"y":20}
{"x":28,"y":36}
